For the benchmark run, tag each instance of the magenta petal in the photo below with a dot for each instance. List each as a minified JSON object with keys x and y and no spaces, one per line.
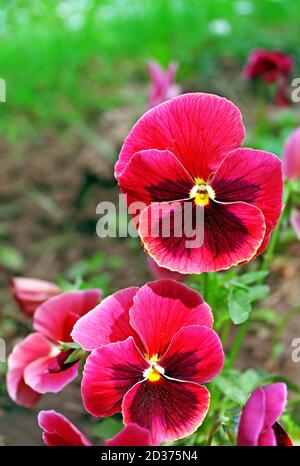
{"x":252,"y":419}
{"x":276,"y":397}
{"x":107,"y":323}
{"x":162,"y":272}
{"x":199,"y":129}
{"x":31,"y":293}
{"x":39,"y":377}
{"x":59,"y":431}
{"x":109,"y":373}
{"x":131,"y":435}
{"x":295,"y":222}
{"x":32,"y":348}
{"x":57,"y":316}
{"x":162,"y":308}
{"x":195,"y":355}
{"x":291,"y":156}
{"x":169,"y":409}
{"x":267,"y":438}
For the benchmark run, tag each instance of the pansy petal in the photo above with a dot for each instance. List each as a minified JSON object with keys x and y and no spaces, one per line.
{"x":295,"y":222}
{"x":168,"y":408}
{"x":291,"y":156}
{"x":267,"y":438}
{"x":131,"y":435}
{"x":107,"y":323}
{"x":32,"y":348}
{"x":109,"y":373}
{"x":39,"y":376}
{"x":282,"y":438}
{"x":154,"y":176}
{"x":199,"y":129}
{"x":195,"y":355}
{"x":59,"y":431}
{"x":255,"y":177}
{"x":161,"y":308}
{"x":252,"y":419}
{"x":276,"y":397}
{"x":56,"y":317}
{"x":229,"y":234}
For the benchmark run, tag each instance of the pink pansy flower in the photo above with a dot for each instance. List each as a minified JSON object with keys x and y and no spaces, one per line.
{"x":291,"y":170}
{"x":258,"y":424}
{"x":163,"y":85}
{"x":59,"y":431}
{"x":162,"y":272}
{"x":184,"y":156}
{"x":30,"y":293}
{"x":271,"y":67}
{"x":291,"y":156}
{"x":38,"y":364}
{"x":152,"y":349}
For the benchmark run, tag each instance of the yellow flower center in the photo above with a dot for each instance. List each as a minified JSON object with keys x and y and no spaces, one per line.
{"x":154,"y":371}
{"x":202,"y":192}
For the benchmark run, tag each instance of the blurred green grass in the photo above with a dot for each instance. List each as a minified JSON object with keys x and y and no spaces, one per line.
{"x":66,"y":61}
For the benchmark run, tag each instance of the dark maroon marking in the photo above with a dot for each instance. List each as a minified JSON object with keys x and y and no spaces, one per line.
{"x":235,"y":190}
{"x":169,"y":190}
{"x":171,"y":402}
{"x":282,"y":438}
{"x":224,"y":232}
{"x":181,"y":365}
{"x":58,"y":363}
{"x":126,"y":375}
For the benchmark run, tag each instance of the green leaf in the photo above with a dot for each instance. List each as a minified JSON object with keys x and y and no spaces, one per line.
{"x":239,"y":304}
{"x":107,"y":428}
{"x":69,"y":345}
{"x":11,"y":258}
{"x":75,"y":356}
{"x":253,"y":277}
{"x":259,"y":292}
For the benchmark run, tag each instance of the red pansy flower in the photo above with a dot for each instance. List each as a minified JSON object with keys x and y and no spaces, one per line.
{"x":155,"y":349}
{"x":184,"y":156}
{"x":163,"y":85}
{"x":38,"y":364}
{"x":30,"y":293}
{"x":59,"y":431}
{"x":271,"y":67}
{"x":258,"y":424}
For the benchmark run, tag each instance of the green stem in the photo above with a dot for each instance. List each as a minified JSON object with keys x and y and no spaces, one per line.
{"x":241,"y":333}
{"x":212,"y":432}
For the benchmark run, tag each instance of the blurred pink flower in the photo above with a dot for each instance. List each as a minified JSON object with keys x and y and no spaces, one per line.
{"x":258,"y":424}
{"x":38,"y":364}
{"x":30,"y":293}
{"x":163,"y":85}
{"x":270,"y":67}
{"x":59,"y":431}
{"x":291,"y":156}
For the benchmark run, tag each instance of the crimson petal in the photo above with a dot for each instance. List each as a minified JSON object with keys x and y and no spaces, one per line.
{"x":168,"y":408}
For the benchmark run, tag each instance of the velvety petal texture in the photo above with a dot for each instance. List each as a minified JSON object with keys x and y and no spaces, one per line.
{"x":169,"y":409}
{"x":162,"y":308}
{"x":199,"y":129}
{"x":106,"y":323}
